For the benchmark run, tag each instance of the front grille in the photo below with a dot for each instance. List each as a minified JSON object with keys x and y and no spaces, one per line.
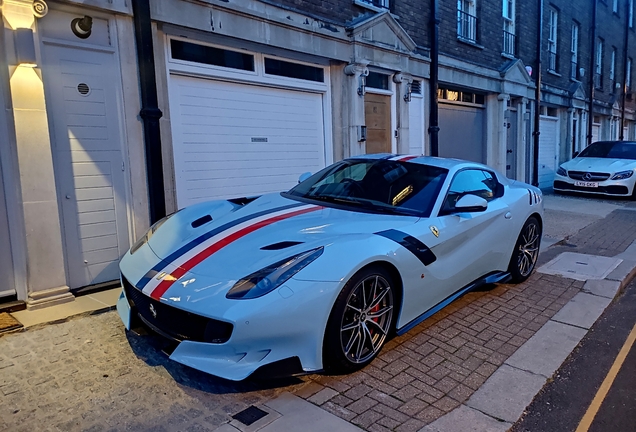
{"x":594,"y":176}
{"x":610,"y":190}
{"x":175,"y":323}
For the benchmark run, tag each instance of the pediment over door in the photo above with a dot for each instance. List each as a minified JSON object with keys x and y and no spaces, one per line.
{"x":381,"y":30}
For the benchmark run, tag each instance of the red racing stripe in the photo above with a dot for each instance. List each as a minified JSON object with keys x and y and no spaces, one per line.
{"x":407,"y":158}
{"x":164,"y":285}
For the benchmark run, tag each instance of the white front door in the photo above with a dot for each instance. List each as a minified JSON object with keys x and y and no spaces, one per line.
{"x":549,"y":127}
{"x":87,"y":141}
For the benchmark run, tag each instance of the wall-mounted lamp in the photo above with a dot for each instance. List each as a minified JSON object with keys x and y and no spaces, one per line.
{"x":24,"y":47}
{"x":581,"y":72}
{"x":362,"y":83}
{"x":409,"y":90}
{"x":617,"y":85}
{"x":82,"y":27}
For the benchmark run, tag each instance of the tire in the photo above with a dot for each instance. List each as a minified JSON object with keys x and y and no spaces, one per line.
{"x":526,"y":251}
{"x":360,"y":322}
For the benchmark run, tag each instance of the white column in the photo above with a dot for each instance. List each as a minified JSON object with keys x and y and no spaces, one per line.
{"x":46,"y":275}
{"x":497,"y":130}
{"x":354,"y":105}
{"x":403,"y":90}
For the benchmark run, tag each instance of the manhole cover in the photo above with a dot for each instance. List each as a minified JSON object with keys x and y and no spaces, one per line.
{"x":249,"y":415}
{"x":580,"y":266}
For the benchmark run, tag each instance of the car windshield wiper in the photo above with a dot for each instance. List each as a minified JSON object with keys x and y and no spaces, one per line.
{"x":364,"y":203}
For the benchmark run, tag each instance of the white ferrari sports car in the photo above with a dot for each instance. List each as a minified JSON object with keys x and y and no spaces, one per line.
{"x":317,"y":278}
{"x":605,"y":167}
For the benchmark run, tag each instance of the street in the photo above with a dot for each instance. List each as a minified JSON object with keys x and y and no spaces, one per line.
{"x":89,"y":374}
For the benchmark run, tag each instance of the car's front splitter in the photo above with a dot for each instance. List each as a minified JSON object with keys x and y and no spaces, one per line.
{"x":284,"y":328}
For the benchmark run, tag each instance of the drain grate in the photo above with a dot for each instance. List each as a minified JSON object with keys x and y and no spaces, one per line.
{"x":249,"y":415}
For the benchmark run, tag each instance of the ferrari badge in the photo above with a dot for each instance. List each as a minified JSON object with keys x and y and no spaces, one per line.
{"x":434,"y":230}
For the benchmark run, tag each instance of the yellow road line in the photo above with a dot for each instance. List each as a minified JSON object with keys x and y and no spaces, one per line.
{"x":601,"y":394}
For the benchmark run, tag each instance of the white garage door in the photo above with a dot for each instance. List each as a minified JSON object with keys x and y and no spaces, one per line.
{"x":547,"y":151}
{"x":233,"y":140}
{"x":596,"y":132}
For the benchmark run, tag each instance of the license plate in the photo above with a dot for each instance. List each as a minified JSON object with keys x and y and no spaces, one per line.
{"x":586,"y":184}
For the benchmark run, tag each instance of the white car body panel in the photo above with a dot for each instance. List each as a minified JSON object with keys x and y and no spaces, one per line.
{"x":291,"y":320}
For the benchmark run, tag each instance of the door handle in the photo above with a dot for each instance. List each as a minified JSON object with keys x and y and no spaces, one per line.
{"x":508,"y":215}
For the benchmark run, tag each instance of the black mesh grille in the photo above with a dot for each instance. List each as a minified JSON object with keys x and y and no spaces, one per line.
{"x":610,"y":190}
{"x":176,"y":323}
{"x":593,"y":176}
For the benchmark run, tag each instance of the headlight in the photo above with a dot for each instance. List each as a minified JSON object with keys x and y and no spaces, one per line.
{"x":144,"y":238}
{"x":562,"y":172}
{"x":268,"y":279}
{"x":622,"y":175}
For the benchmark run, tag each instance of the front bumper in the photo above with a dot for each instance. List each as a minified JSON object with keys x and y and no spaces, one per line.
{"x":266,"y":331}
{"x":606,"y":187}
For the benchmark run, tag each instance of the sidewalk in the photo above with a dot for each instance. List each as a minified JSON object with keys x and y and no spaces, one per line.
{"x":475,"y":365}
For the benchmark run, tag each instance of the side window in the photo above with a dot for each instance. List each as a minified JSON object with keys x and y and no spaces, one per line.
{"x":471,"y":181}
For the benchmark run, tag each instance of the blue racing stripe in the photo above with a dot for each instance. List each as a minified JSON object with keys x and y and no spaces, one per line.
{"x":197,"y":241}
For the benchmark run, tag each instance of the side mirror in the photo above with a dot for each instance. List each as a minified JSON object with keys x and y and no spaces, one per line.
{"x":304,"y":176}
{"x":471,"y":203}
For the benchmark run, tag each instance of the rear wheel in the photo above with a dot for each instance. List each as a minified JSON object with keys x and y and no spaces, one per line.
{"x":360,"y":321}
{"x":526,"y":251}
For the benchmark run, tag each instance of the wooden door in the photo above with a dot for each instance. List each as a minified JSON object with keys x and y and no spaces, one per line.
{"x":377,"y":116}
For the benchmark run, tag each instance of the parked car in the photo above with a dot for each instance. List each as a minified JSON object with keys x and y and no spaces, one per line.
{"x":317,"y":278}
{"x":604,"y":167}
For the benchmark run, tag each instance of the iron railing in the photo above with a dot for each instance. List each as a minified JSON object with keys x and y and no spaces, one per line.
{"x":508,"y":43}
{"x":553,"y":60}
{"x":467,"y":26}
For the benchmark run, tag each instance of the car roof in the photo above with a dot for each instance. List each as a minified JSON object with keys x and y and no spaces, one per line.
{"x":448,"y":163}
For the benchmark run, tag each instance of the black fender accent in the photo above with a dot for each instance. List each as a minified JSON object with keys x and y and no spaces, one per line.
{"x":416,"y":247}
{"x":283,"y":368}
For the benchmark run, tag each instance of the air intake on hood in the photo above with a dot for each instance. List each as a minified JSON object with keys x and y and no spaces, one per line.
{"x":201,"y":221}
{"x":281,"y":245}
{"x":243,"y":201}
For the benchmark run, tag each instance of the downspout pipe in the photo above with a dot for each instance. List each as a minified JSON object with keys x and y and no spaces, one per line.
{"x":590,"y":111}
{"x":433,"y":127}
{"x":625,"y":71}
{"x":150,"y":112}
{"x":537,"y":98}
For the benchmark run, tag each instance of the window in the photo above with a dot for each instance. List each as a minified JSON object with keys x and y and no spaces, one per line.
{"x":552,"y":40}
{"x":378,"y":81}
{"x":509,"y":27}
{"x":628,"y":78}
{"x":294,"y":70}
{"x":473,"y":182}
{"x":383,"y":4}
{"x":612,"y":74}
{"x":466,"y":20}
{"x":211,"y":55}
{"x":574,"y":49}
{"x":598,"y":65}
{"x":631,"y":13}
{"x":460,"y":96}
{"x":615,"y":6}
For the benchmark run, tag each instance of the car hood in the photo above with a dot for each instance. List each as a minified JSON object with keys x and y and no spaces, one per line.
{"x":243,"y":239}
{"x":599,"y":164}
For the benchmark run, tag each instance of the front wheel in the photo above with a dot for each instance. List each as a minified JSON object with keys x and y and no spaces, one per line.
{"x":526,"y":251}
{"x":360,"y":321}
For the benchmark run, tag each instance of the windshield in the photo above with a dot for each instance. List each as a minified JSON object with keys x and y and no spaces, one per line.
{"x":376,"y":185}
{"x":611,"y":150}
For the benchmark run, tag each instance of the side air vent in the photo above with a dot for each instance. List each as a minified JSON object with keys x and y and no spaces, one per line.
{"x":281,"y":245}
{"x":201,"y":221}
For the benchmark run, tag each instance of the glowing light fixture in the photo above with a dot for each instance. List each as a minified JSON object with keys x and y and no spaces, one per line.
{"x":24,"y":47}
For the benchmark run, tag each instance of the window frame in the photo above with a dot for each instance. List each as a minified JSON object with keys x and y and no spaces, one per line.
{"x":553,"y":38}
{"x":598,"y":64}
{"x":628,"y":77}
{"x":612,"y":72}
{"x":615,"y":6}
{"x":574,"y":50}
{"x":497,"y":192}
{"x":630,"y":17}
{"x":509,"y":26}
{"x":469,"y":8}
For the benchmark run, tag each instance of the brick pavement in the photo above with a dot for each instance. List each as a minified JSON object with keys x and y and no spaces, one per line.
{"x":87,"y":374}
